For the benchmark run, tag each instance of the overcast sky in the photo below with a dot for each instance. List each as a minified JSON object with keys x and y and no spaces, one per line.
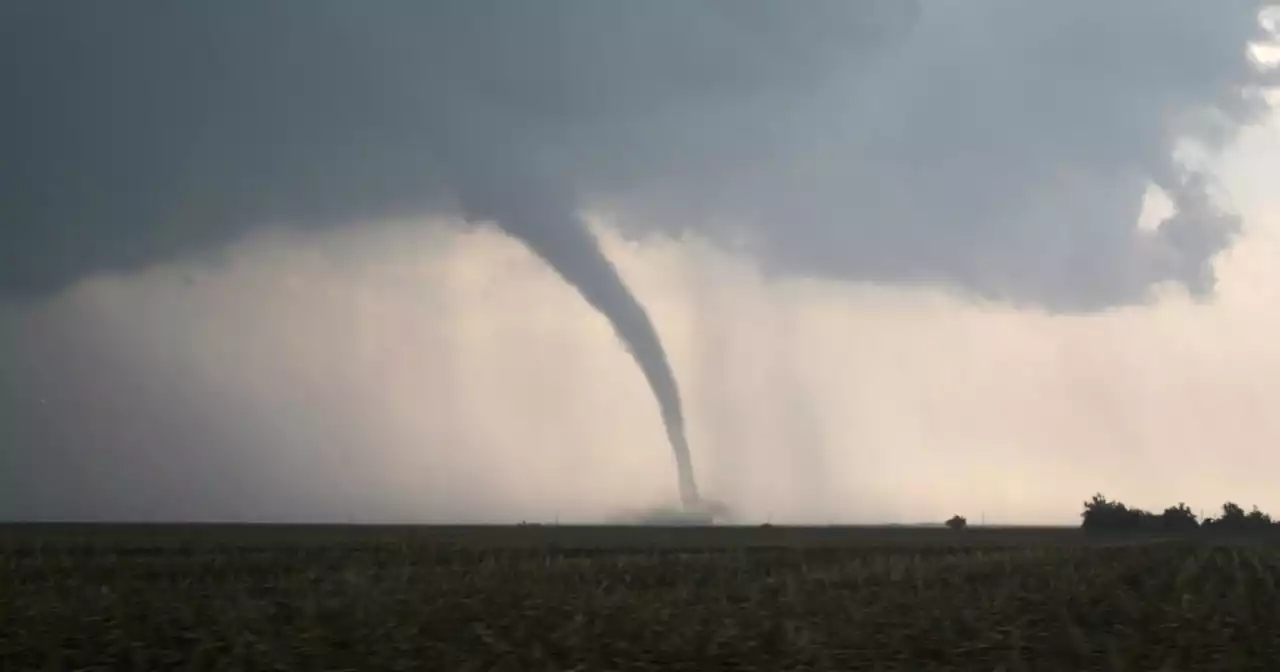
{"x":983,"y":258}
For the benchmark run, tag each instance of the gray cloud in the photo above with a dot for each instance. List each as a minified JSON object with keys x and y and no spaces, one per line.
{"x":184,"y":126}
{"x":1002,"y":147}
{"x":176,"y":128}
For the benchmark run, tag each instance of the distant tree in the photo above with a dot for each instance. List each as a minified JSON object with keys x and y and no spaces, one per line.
{"x":1179,"y":519}
{"x":1257,"y":519}
{"x":957,"y":522}
{"x":1232,"y":513}
{"x":1232,"y":518}
{"x":1103,"y":515}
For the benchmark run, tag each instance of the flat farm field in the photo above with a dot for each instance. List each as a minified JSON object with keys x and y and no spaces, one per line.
{"x":528,"y":598}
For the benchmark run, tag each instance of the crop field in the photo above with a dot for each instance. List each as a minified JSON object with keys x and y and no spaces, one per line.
{"x":629,"y":598}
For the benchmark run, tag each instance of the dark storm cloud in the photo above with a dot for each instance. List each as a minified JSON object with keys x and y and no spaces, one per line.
{"x":1003,"y":147}
{"x":999,"y":146}
{"x":148,"y":130}
{"x":138,"y":130}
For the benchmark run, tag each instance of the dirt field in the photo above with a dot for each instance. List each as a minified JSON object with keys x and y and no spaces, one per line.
{"x":628,"y":598}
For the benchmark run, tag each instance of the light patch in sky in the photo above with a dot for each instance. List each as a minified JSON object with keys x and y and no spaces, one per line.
{"x":1156,"y":206}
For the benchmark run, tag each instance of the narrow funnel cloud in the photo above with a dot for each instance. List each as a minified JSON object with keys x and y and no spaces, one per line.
{"x":574,"y":253}
{"x":526,"y":206}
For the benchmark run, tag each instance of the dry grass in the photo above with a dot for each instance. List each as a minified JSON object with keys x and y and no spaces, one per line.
{"x":628,"y":598}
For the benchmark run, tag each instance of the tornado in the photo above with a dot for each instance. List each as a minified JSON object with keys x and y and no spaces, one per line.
{"x":536,"y":210}
{"x":576,"y":256}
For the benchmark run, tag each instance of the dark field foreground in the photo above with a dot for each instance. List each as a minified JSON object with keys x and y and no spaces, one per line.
{"x":562,"y":598}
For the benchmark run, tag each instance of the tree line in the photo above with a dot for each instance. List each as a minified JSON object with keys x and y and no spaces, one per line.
{"x":1106,"y":515}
